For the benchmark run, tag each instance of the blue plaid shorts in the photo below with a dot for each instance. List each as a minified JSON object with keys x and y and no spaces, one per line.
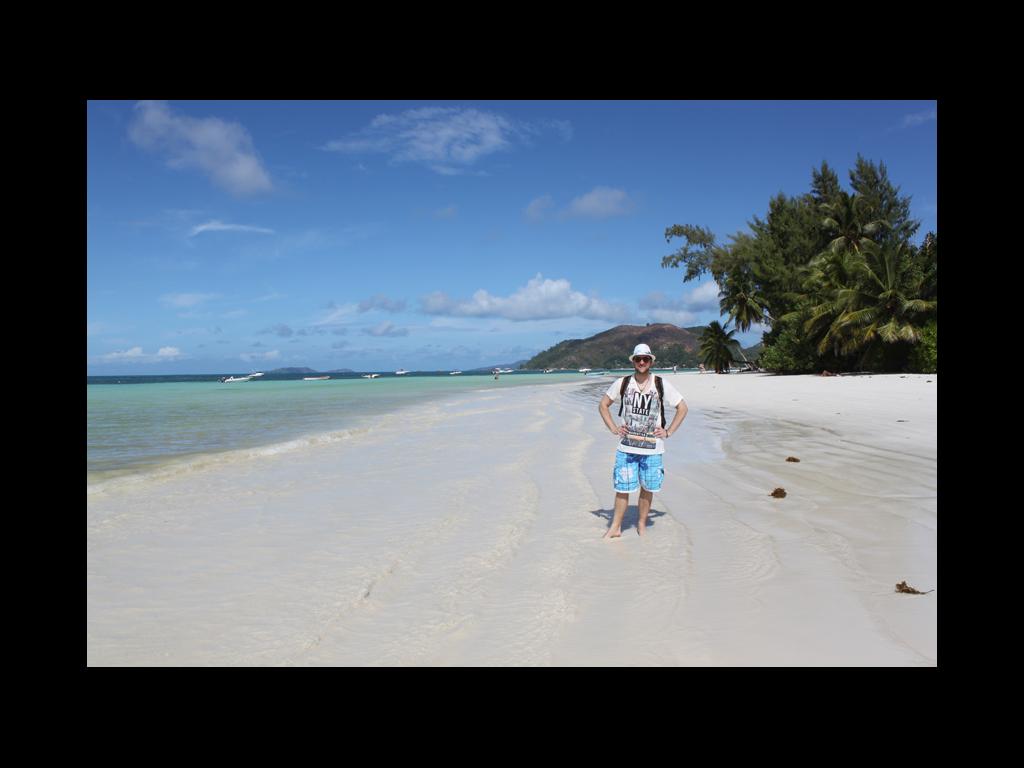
{"x":635,"y":470}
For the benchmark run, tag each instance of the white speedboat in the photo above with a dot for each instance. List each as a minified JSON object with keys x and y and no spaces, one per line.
{"x":371,"y":375}
{"x":455,"y":373}
{"x":233,"y":379}
{"x":316,"y":378}
{"x":548,"y":370}
{"x":401,"y":372}
{"x":585,"y":371}
{"x":255,"y":375}
{"x":505,"y":370}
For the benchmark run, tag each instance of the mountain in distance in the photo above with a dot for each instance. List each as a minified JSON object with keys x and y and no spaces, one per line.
{"x":670,"y":344}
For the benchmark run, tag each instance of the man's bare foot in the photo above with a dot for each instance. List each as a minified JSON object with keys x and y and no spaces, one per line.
{"x":640,"y":528}
{"x":612,"y":534}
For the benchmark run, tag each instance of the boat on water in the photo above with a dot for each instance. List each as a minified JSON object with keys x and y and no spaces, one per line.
{"x":255,"y":375}
{"x":585,"y":371}
{"x":548,"y":370}
{"x":316,"y":378}
{"x":234,"y":379}
{"x":455,"y":373}
{"x":505,"y":370}
{"x":371,"y":375}
{"x":401,"y":372}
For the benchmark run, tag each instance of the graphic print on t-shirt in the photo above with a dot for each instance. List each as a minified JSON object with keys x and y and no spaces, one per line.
{"x":643,"y":416}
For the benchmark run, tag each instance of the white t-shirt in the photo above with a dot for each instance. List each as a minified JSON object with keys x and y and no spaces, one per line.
{"x":642,"y":414}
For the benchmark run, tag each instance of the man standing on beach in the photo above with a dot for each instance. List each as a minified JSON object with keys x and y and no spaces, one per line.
{"x":638,"y":461}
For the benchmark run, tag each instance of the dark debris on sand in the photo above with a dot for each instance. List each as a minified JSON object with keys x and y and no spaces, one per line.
{"x":902,"y":587}
{"x":779,"y":493}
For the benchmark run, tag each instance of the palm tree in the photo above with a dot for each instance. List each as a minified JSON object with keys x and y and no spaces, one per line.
{"x":716,"y":347}
{"x":927,"y":264}
{"x":824,"y":280}
{"x":884,"y":306}
{"x":845,"y":222}
{"x":832,"y":279}
{"x":743,"y":302}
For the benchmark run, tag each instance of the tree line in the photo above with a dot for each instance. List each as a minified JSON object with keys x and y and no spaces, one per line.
{"x":832,"y":275}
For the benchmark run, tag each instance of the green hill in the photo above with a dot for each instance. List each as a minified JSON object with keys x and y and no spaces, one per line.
{"x":670,"y":344}
{"x":611,"y":349}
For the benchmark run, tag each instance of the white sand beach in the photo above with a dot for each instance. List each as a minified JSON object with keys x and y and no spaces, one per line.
{"x":468,"y":531}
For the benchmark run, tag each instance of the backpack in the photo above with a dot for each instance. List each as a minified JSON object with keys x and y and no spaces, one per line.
{"x":657,"y":386}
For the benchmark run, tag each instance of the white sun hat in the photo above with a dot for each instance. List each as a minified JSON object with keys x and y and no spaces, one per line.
{"x":642,"y":349}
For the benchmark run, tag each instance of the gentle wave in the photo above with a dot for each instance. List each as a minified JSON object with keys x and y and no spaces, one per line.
{"x":112,"y":480}
{"x":137,"y":428}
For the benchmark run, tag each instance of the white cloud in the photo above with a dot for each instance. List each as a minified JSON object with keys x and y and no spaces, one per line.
{"x":704,"y":297}
{"x":538,"y":207}
{"x":659,"y":308}
{"x":539,"y":299}
{"x":682,"y":311}
{"x":442,"y":138}
{"x":681,"y":318}
{"x":219,"y":226}
{"x":598,"y":203}
{"x":601,"y":203}
{"x":186,"y":299}
{"x":280,"y":329}
{"x":264,"y":356}
{"x":658,"y":300}
{"x":437,"y":303}
{"x":386,"y":329}
{"x":136,"y":355}
{"x":463,"y":326}
{"x":222,"y":150}
{"x":919,"y":118}
{"x":382,"y":302}
{"x":449,"y":140}
{"x":195,"y":332}
{"x":337,"y":314}
{"x":561,"y":127}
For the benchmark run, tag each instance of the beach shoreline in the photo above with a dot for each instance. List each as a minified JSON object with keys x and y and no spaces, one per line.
{"x":470,"y":534}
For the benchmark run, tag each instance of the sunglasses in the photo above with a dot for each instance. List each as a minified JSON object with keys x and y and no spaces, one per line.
{"x":642,"y":360}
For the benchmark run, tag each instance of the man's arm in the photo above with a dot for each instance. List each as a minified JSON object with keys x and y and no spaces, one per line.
{"x":681,"y":410}
{"x":608,"y":420}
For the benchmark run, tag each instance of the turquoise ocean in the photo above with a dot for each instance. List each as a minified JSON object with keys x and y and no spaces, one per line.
{"x":145,"y":425}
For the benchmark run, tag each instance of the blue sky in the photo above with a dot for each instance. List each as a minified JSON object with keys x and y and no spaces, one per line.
{"x":236,"y":236}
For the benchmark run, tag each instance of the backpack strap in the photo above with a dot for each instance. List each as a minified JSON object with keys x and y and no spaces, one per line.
{"x":661,"y":398}
{"x":622,"y":392}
